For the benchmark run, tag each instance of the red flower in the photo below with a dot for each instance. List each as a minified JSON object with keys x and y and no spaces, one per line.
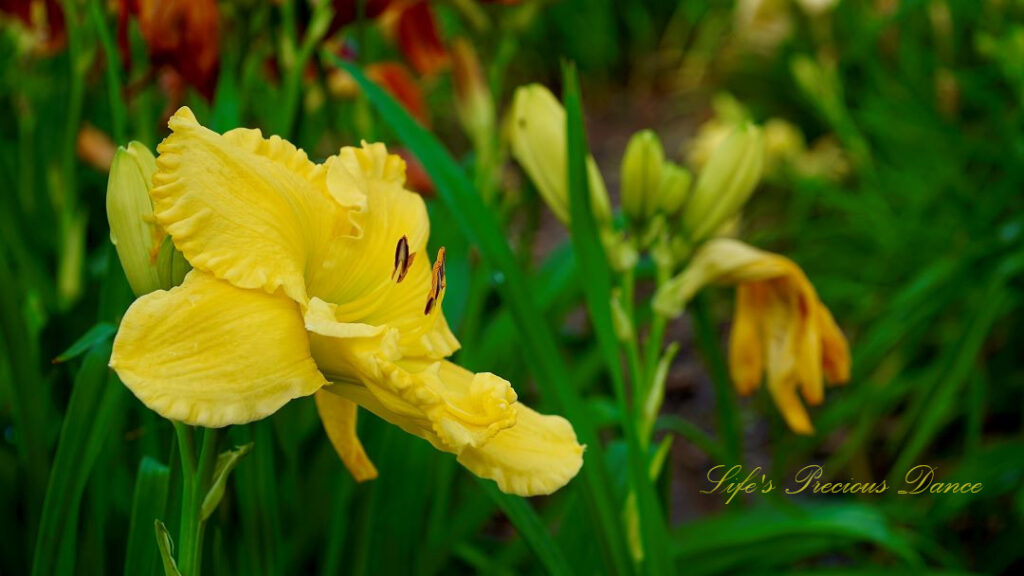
{"x":183,"y":35}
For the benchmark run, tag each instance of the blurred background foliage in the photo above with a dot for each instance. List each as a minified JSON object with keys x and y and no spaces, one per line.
{"x":895,"y":134}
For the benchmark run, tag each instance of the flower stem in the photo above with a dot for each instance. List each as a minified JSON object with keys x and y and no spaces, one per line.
{"x":195,"y":481}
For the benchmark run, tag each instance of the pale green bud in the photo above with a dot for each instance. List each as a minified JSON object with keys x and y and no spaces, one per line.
{"x":674,"y":188}
{"x":149,"y":262}
{"x":725,"y":184}
{"x":538,"y":139}
{"x":620,"y":319}
{"x":641,"y":176}
{"x":819,"y":84}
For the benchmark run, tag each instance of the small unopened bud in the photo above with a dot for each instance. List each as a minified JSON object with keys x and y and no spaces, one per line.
{"x":621,"y":321}
{"x":641,"y":176}
{"x":725,"y":184}
{"x":150,"y":263}
{"x":537,"y":134}
{"x":474,"y":104}
{"x":820,"y":85}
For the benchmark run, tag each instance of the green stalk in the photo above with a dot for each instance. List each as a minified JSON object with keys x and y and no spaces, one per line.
{"x":195,"y":482}
{"x":593,"y":264}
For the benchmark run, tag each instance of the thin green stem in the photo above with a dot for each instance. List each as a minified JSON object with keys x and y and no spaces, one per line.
{"x":632,"y":346}
{"x":117,"y":107}
{"x":656,"y":335}
{"x":196,"y":478}
{"x":725,"y":403}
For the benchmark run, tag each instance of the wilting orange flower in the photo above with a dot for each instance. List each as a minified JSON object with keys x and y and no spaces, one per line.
{"x":183,"y":35}
{"x":780,"y":328}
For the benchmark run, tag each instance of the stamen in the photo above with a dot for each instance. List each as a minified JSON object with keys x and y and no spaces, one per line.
{"x":437,"y":282}
{"x":403,"y":259}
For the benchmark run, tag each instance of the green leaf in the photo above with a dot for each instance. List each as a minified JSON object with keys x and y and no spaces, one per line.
{"x":95,"y":399}
{"x":226,"y":462}
{"x":166,"y":546}
{"x":98,"y":333}
{"x":531,"y":527}
{"x":148,"y":504}
{"x":484,"y":230}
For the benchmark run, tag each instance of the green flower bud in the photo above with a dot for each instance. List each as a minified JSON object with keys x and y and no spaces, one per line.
{"x":725,"y":184}
{"x":674,"y":188}
{"x":641,"y":176}
{"x":150,"y":263}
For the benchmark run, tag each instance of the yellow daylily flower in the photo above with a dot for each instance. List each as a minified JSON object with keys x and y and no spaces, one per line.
{"x":780,"y":326}
{"x":314,"y":279}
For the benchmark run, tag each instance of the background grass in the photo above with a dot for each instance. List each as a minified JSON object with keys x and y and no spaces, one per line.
{"x":918,"y":252}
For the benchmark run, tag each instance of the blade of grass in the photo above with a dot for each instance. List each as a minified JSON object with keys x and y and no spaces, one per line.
{"x":98,"y":333}
{"x":532,"y":529}
{"x":485,"y":231}
{"x":597,"y":291}
{"x":96,"y":396}
{"x":725,"y":403}
{"x":148,"y":504}
{"x":944,"y":399}
{"x":730,"y":534}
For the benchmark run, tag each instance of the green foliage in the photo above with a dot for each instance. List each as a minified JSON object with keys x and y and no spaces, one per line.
{"x":917,"y":250}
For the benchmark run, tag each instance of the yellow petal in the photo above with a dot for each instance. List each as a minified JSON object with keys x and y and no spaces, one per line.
{"x":210,"y":354}
{"x":339,"y":419}
{"x":835,"y":352}
{"x":723,"y":261}
{"x":537,"y":456}
{"x":784,"y":341}
{"x":538,"y":141}
{"x":746,"y":347}
{"x":250,"y":210}
{"x":358,"y":274}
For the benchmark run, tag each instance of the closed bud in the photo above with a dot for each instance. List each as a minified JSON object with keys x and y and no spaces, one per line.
{"x":673,"y":188}
{"x":641,"y":176}
{"x":621,"y":321}
{"x":147,"y":264}
{"x":725,"y":184}
{"x":820,"y":85}
{"x":537,"y":133}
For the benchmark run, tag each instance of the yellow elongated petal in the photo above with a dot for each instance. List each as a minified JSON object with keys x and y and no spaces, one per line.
{"x":783,"y":360}
{"x":250,"y":210}
{"x":746,"y":346}
{"x":538,"y":455}
{"x":455,"y":410}
{"x":835,"y":351}
{"x":339,"y":419}
{"x":358,"y":272}
{"x":210,"y":354}
{"x":723,"y":261}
